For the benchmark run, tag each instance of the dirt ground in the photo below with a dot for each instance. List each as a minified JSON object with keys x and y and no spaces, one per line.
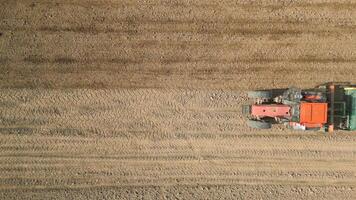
{"x":107,"y":99}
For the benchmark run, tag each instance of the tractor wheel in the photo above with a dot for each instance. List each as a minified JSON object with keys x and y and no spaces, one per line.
{"x":260,"y":94}
{"x":259,"y":124}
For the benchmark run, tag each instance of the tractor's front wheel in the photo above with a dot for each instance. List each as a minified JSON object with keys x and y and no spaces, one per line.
{"x":260,"y":94}
{"x":259,"y":124}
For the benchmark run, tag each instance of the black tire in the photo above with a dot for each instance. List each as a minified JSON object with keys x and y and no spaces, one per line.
{"x":313,"y":129}
{"x":259,"y":124}
{"x":260,"y":94}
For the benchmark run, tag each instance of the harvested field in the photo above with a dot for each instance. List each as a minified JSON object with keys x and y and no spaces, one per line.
{"x":104,"y":99}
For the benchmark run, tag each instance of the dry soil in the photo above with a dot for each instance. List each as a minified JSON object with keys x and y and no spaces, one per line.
{"x":109,"y":99}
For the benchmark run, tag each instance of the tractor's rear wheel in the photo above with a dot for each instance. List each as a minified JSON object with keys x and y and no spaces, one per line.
{"x":260,"y":94}
{"x":259,"y":124}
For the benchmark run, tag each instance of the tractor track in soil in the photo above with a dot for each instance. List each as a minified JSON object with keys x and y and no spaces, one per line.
{"x":131,"y":99}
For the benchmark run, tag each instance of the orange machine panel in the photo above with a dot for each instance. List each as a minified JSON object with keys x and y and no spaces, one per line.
{"x":313,"y":113}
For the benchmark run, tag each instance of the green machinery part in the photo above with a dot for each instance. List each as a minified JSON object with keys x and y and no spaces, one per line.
{"x":350,"y":92}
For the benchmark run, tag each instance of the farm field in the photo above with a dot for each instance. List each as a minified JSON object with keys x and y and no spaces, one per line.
{"x":105,"y":99}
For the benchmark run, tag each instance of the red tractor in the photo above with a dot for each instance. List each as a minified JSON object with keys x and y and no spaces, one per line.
{"x":326,"y":107}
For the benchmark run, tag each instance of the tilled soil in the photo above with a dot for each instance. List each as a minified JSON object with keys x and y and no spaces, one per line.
{"x":142,"y":99}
